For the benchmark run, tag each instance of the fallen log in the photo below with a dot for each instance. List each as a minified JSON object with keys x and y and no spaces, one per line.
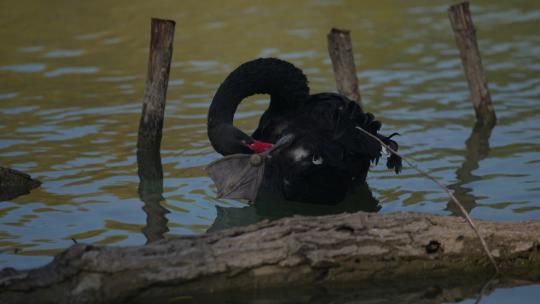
{"x":297,"y":251}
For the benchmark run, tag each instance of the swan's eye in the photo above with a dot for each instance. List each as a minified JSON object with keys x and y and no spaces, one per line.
{"x":317,"y":160}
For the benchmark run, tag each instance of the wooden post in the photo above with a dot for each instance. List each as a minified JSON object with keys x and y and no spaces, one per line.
{"x":341,"y":54}
{"x":150,"y":128}
{"x":157,"y":79}
{"x":464,"y":31}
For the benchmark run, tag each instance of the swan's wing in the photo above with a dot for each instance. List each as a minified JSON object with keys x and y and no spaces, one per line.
{"x":236,"y":177}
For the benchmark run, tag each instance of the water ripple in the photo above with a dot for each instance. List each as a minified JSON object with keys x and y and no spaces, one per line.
{"x":63,"y":53}
{"x":24,"y":68}
{"x":72,"y":70}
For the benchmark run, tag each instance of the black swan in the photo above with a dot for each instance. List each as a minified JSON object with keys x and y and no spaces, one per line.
{"x":308,"y":147}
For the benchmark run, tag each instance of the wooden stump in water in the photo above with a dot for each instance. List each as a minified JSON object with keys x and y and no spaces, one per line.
{"x":157,"y":79}
{"x":465,"y":33}
{"x":150,"y":128}
{"x":341,"y":54}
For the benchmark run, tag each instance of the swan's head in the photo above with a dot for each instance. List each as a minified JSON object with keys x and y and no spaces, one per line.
{"x":227,"y":139}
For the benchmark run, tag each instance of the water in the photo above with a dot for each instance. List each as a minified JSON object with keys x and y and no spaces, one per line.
{"x":72,"y":79}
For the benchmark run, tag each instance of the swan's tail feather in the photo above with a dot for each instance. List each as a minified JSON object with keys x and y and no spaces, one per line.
{"x":364,"y":146}
{"x":393,"y":161}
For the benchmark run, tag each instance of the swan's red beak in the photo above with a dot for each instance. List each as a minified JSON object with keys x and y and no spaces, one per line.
{"x":259,"y":146}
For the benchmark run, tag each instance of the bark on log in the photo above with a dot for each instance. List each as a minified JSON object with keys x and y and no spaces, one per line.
{"x":299,"y":251}
{"x":465,"y":33}
{"x":14,"y":183}
{"x":341,"y":54}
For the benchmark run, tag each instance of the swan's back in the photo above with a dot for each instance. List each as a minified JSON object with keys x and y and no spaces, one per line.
{"x":329,"y":153}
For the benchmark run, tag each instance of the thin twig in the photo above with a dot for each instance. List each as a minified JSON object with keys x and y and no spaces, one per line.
{"x":442,"y":186}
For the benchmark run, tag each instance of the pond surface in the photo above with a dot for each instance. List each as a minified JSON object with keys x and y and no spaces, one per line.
{"x":72,"y":78}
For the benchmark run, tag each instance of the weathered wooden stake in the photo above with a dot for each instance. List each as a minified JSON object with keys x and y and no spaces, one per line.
{"x":341,"y":54}
{"x":157,"y":79}
{"x":460,"y":18}
{"x":150,"y":128}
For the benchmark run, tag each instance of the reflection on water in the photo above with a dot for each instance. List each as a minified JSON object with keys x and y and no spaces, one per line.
{"x":449,"y":290}
{"x":477,"y":148}
{"x":72,"y":79}
{"x":273,"y":206}
{"x":150,"y":192}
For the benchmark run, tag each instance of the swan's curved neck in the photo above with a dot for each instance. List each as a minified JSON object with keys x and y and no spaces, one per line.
{"x":286,"y":85}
